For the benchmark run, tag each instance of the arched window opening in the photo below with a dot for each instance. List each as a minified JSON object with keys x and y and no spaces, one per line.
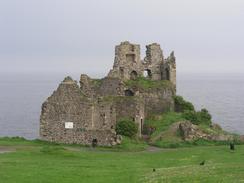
{"x":133,"y":75}
{"x":147,"y":73}
{"x":129,"y":93}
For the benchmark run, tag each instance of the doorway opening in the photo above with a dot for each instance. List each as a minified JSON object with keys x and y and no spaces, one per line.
{"x":94,"y":142}
{"x":133,"y":75}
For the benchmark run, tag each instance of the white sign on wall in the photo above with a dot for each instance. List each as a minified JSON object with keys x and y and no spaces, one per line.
{"x":69,"y":125}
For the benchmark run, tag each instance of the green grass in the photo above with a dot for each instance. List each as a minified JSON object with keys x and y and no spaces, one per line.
{"x":132,"y":145}
{"x":166,"y":137}
{"x":162,"y":122}
{"x":147,"y":84}
{"x":40,"y":162}
{"x":127,"y":144}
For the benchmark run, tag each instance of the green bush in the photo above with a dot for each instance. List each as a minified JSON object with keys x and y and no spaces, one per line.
{"x":199,"y":117}
{"x":181,"y":105}
{"x":126,"y":127}
{"x":191,"y":116}
{"x":205,"y":117}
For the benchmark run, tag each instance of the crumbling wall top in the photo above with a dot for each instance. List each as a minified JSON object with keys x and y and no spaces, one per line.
{"x":68,"y":80}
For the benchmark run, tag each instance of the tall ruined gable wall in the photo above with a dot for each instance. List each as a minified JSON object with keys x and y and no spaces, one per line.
{"x":89,"y":120}
{"x":153,"y":61}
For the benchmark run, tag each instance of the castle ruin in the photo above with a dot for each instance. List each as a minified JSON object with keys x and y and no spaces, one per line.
{"x":128,"y":63}
{"x":88,"y":112}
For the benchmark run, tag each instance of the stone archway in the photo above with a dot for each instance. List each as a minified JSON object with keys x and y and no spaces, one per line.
{"x":133,"y":75}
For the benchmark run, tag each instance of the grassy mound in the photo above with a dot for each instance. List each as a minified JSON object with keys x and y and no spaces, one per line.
{"x":162,"y":122}
{"x":167,"y":135}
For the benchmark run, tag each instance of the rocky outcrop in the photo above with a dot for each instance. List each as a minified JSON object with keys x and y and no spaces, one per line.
{"x":190,"y":132}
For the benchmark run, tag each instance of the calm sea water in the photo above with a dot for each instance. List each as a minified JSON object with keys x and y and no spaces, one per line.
{"x":21,"y":97}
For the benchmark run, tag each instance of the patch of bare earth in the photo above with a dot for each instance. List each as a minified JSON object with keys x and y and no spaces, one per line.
{"x":153,"y":149}
{"x":4,"y":149}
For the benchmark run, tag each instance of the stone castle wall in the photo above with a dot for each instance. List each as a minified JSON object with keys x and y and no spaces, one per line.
{"x":153,"y":61}
{"x":131,"y":107}
{"x":89,"y":112}
{"x":90,"y":119}
{"x":158,"y":101}
{"x":127,"y":61}
{"x":128,"y":64}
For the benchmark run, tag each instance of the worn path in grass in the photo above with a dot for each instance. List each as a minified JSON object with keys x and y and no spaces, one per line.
{"x":4,"y":149}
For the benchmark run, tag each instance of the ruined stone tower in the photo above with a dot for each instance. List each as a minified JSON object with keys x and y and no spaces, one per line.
{"x":129,"y":65}
{"x":127,"y":62}
{"x":88,"y":112}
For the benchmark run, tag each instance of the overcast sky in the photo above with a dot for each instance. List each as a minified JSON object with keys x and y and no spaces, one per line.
{"x":70,"y":36}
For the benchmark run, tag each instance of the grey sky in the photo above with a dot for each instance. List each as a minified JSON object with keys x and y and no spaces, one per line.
{"x":80,"y":35}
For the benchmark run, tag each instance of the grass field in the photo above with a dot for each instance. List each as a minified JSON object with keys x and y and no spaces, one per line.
{"x":35,"y":161}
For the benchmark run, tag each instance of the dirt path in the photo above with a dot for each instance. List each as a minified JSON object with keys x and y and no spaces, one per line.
{"x":148,"y":149}
{"x":4,"y":149}
{"x":153,"y":149}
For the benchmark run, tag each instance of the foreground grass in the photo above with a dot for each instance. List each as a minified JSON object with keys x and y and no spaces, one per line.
{"x":36,"y":161}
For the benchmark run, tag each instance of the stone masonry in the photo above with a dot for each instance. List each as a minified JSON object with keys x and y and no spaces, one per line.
{"x":128,"y":64}
{"x":88,"y":112}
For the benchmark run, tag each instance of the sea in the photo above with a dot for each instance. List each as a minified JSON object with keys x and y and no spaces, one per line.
{"x":21,"y":97}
